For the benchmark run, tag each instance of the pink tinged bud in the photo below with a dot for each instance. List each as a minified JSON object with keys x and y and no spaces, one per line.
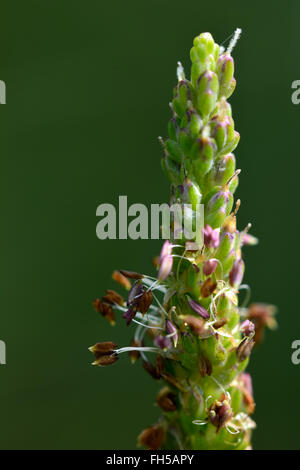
{"x":198,"y":308}
{"x":171,"y":330}
{"x":166,"y":250}
{"x":162,"y":342}
{"x":247,"y":327}
{"x":246,"y":380}
{"x":165,"y":267}
{"x":237,"y":272}
{"x":211,"y":237}
{"x":249,"y":239}
{"x":165,"y":261}
{"x":209,"y":266}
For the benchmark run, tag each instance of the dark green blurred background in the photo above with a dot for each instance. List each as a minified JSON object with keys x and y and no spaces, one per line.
{"x":88,"y":86}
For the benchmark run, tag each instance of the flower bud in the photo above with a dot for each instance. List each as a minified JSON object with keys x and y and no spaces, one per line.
{"x":190,"y":193}
{"x":171,"y":169}
{"x":225,"y":246}
{"x":173,"y":129}
{"x":197,"y":308}
{"x":218,"y":207}
{"x":211,"y":237}
{"x":237,"y":272}
{"x":209,"y":266}
{"x":222,"y":170}
{"x":174,"y":150}
{"x":162,"y":342}
{"x":225,"y":71}
{"x":182,"y":94}
{"x":172,"y":330}
{"x":165,"y":261}
{"x":247,"y":327}
{"x":207,"y":93}
{"x":202,"y":154}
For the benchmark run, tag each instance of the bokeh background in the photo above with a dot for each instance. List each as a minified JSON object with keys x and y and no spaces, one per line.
{"x":88,"y":86}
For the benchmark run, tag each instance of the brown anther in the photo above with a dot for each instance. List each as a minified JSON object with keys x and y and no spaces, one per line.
{"x":104,"y":348}
{"x":112,"y":297}
{"x":148,"y":366}
{"x":105,"y":310}
{"x":122,"y":280}
{"x":106,"y":360}
{"x":196,"y":324}
{"x":155,"y":261}
{"x":159,"y":365}
{"x":170,"y":379}
{"x":244,"y":349}
{"x":152,"y":437}
{"x":144,"y":301}
{"x":166,"y":400}
{"x":220,"y":413}
{"x":205,"y":366}
{"x":219,"y":323}
{"x":105,"y":353}
{"x":208,"y":287}
{"x":131,"y":274}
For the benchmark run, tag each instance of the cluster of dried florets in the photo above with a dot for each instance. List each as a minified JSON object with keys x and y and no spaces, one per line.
{"x":188,"y":316}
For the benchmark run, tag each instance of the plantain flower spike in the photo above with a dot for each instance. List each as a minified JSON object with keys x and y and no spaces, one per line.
{"x":188,"y":317}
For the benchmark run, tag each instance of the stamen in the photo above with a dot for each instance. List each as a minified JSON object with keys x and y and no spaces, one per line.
{"x":233,"y":427}
{"x":159,"y":304}
{"x":138,"y":348}
{"x":247,"y":296}
{"x":221,"y":387}
{"x":148,"y":326}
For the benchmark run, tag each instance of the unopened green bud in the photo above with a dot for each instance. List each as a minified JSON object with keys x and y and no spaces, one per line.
{"x":185,"y":141}
{"x":202,"y":153}
{"x":182,"y":96}
{"x":222,"y":170}
{"x":195,"y":123}
{"x":225,"y":246}
{"x":207,"y":93}
{"x":218,"y":207}
{"x":190,"y":193}
{"x":174,"y":150}
{"x":225,"y":71}
{"x":230,"y":146}
{"x":171,"y":169}
{"x":173,"y":129}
